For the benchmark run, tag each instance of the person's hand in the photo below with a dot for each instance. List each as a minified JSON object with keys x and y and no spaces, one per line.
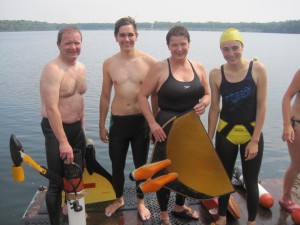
{"x":104,"y":136}
{"x":288,"y":134}
{"x":157,"y":132}
{"x":251,"y":150}
{"x":66,"y":152}
{"x":200,"y":108}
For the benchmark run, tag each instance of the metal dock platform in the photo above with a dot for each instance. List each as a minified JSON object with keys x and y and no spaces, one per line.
{"x":36,"y":214}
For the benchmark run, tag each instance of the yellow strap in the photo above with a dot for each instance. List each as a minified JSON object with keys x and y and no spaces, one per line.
{"x":221,"y":125}
{"x":238,"y":134}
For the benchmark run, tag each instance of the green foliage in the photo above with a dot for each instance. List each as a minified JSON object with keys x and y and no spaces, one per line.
{"x":290,"y":26}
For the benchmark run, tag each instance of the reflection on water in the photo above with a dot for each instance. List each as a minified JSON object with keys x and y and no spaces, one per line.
{"x":23,"y":55}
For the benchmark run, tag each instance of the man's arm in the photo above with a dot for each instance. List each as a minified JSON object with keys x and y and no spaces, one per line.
{"x":104,"y":101}
{"x":49,"y":89}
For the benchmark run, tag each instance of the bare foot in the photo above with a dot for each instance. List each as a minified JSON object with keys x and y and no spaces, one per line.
{"x":65,"y":210}
{"x":143,"y":211}
{"x":164,"y":218}
{"x":192,"y":214}
{"x":221,"y":220}
{"x":251,"y":223}
{"x":112,"y":208}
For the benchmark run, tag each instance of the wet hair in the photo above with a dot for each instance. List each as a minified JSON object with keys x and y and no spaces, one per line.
{"x":122,"y":22}
{"x":177,"y":31}
{"x":66,"y":29}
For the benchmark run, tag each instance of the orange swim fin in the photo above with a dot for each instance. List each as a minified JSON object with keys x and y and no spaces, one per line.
{"x":233,"y":208}
{"x":157,"y":183}
{"x":148,"y":170}
{"x":212,"y":206}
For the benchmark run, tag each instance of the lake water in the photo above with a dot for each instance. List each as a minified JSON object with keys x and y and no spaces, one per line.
{"x":23,"y":55}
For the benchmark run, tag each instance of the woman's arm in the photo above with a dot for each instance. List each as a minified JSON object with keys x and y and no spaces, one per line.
{"x":261,"y":100}
{"x":288,"y":133}
{"x":214,"y":110}
{"x":205,"y":100}
{"x":148,"y":88}
{"x":260,"y":75}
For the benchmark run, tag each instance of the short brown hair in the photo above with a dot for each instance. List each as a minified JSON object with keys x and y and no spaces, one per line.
{"x":66,"y":29}
{"x":176,"y":31}
{"x":124,"y":21}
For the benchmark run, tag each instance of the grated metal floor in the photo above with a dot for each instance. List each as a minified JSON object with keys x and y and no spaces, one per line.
{"x":36,"y":213}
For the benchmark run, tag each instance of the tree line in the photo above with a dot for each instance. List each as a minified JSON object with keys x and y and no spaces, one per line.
{"x":289,"y":26}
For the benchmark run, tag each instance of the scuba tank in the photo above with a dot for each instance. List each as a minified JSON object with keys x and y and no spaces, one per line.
{"x":72,"y":183}
{"x":74,"y":189}
{"x":238,"y":178}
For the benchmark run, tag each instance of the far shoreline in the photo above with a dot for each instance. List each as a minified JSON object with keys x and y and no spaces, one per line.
{"x":288,"y":27}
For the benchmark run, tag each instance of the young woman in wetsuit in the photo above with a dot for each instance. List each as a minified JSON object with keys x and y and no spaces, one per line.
{"x":175,"y":85}
{"x":243,"y":87}
{"x":291,"y":134}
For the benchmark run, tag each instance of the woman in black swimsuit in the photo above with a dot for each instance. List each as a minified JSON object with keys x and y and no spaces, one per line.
{"x":236,"y":117}
{"x":175,"y":85}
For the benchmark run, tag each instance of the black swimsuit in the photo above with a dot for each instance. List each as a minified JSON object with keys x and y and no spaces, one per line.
{"x":176,"y":97}
{"x":294,"y":121}
{"x":239,"y":108}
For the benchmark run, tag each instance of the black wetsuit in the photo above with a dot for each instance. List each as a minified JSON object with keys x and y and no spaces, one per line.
{"x":239,"y":108}
{"x":76,"y":139}
{"x":174,"y":98}
{"x":125,"y":130}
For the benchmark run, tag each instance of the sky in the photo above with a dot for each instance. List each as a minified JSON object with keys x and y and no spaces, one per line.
{"x":108,"y":11}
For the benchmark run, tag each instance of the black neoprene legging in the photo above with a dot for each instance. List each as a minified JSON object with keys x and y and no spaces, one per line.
{"x":228,"y":154}
{"x":163,"y":194}
{"x":76,"y":138}
{"x":125,"y":130}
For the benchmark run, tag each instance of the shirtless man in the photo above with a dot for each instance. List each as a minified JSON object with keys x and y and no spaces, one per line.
{"x":125,"y":71}
{"x":62,"y":85}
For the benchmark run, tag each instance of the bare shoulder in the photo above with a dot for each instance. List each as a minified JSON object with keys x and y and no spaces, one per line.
{"x":146,"y":57}
{"x":259,"y":72}
{"x":81,"y":66}
{"x":200,"y":70}
{"x":110,"y":60}
{"x":158,"y":70}
{"x":53,"y":64}
{"x":215,"y":72}
{"x":297,"y":74}
{"x":258,"y":66}
{"x":197,"y":65}
{"x":296,"y":79}
{"x":50,"y":69}
{"x":215,"y":77}
{"x":159,"y":66}
{"x":158,"y":74}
